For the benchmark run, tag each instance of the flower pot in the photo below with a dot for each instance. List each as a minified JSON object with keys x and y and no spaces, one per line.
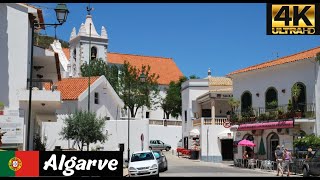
{"x":252,"y":119}
{"x":298,"y":114}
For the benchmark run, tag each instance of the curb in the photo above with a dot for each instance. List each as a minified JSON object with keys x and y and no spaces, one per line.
{"x":125,"y":172}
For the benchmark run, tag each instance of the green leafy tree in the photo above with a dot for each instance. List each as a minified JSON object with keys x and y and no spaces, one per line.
{"x":172,"y":103}
{"x":193,"y":76}
{"x":307,"y":141}
{"x":126,"y":82}
{"x":98,"y":67}
{"x":234,"y":103}
{"x":135,"y":93}
{"x":38,"y":144}
{"x":84,"y":128}
{"x":45,"y":41}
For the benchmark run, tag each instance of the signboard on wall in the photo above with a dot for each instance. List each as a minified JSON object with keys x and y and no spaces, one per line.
{"x":13,"y":126}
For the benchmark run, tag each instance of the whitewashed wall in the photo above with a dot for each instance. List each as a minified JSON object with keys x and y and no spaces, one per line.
{"x":280,"y":77}
{"x":117,"y":131}
{"x":317,"y":92}
{"x":213,"y":153}
{"x":109,"y":102}
{"x":191,"y":89}
{"x":14,"y":50}
{"x":167,"y":134}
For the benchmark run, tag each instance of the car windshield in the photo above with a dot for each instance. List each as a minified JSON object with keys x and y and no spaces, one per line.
{"x":142,"y":156}
{"x":157,"y":154}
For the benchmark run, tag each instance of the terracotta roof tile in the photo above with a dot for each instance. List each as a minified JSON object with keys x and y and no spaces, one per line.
{"x":66,"y":52}
{"x":71,"y":88}
{"x":220,"y":81}
{"x":287,"y":59}
{"x":166,"y":68}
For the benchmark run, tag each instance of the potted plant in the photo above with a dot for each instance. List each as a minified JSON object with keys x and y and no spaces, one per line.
{"x":295,"y":92}
{"x":281,"y":114}
{"x":1,"y":108}
{"x":272,"y":105}
{"x":290,"y":112}
{"x":251,"y":115}
{"x":263,"y":117}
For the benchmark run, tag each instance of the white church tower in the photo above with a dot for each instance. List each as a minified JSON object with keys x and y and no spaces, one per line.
{"x":80,"y":44}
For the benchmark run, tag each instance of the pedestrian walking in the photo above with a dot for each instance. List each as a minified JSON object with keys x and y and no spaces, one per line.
{"x":287,"y":159}
{"x":279,"y":159}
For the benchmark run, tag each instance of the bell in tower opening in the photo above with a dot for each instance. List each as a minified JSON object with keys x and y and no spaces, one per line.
{"x":93,"y":53}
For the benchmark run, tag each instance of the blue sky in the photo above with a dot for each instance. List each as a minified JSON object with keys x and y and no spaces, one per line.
{"x":223,"y":37}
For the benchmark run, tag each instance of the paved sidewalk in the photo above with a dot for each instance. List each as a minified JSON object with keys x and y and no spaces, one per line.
{"x":125,"y":171}
{"x":224,"y":164}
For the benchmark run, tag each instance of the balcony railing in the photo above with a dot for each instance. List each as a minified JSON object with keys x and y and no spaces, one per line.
{"x":196,"y":122}
{"x":283,"y":112}
{"x":208,"y":121}
{"x":42,"y":84}
{"x":167,"y":122}
{"x":220,"y":120}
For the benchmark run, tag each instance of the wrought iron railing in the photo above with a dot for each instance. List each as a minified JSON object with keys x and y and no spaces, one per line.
{"x":282,"y":112}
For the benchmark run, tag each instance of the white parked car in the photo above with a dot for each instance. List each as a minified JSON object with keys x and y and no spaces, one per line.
{"x":143,"y":163}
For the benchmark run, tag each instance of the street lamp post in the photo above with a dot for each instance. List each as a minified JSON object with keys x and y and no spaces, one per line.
{"x":61,"y":13}
{"x":142,"y":78}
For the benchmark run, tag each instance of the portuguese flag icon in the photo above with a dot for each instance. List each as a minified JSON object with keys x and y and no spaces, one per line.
{"x":19,"y":163}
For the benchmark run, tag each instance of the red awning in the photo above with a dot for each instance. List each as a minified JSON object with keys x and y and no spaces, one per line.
{"x":266,"y":125}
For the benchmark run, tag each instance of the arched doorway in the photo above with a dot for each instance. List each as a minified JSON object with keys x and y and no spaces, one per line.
{"x":301,"y":102}
{"x":273,"y":142}
{"x":246,"y":101}
{"x":271,"y":98}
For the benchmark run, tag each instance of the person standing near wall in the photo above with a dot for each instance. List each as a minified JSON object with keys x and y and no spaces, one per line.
{"x":279,"y":159}
{"x":245,"y":158}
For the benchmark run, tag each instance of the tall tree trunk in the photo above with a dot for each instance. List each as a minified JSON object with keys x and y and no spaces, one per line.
{"x":88,"y":146}
{"x":78,"y":144}
{"x":135,"y":112}
{"x":81,"y":145}
{"x":132,"y":112}
{"x":167,"y":115}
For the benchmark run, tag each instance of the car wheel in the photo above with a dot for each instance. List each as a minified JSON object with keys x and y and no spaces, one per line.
{"x":167,"y":148}
{"x":305,"y":172}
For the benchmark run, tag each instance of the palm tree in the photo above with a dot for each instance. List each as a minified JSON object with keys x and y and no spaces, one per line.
{"x":234,"y":103}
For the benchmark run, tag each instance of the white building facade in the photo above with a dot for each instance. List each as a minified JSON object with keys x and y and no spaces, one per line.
{"x":258,"y":86}
{"x":15,"y":69}
{"x":205,"y":109}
